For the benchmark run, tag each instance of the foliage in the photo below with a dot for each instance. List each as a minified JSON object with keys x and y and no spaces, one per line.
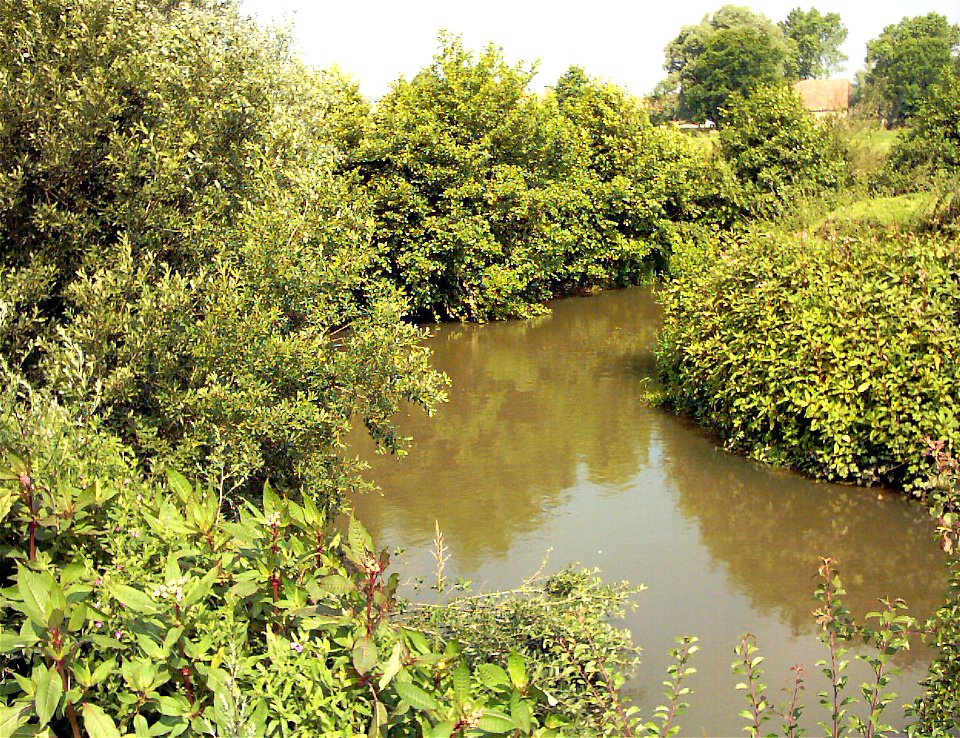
{"x":906,"y":61}
{"x":815,"y":40}
{"x":176,"y":253}
{"x":938,"y":709}
{"x":489,"y":200}
{"x":778,"y":151}
{"x":889,"y":636}
{"x":561,"y":629}
{"x":734,"y":50}
{"x":928,"y":153}
{"x":147,"y":608}
{"x":836,"y":356}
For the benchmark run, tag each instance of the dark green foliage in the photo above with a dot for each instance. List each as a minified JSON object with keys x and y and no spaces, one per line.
{"x":928,"y":153}
{"x":546,"y":625}
{"x":177,"y":255}
{"x":836,"y":357}
{"x":732,"y":51}
{"x":938,"y":710}
{"x":489,"y":200}
{"x":778,"y":151}
{"x":906,"y":60}
{"x":136,"y":607}
{"x":815,"y":40}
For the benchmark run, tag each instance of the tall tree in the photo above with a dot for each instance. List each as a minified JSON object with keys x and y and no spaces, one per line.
{"x":734,"y":50}
{"x":906,"y":60}
{"x":815,"y":41}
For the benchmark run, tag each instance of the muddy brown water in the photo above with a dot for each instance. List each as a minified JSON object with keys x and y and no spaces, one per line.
{"x":546,"y":448}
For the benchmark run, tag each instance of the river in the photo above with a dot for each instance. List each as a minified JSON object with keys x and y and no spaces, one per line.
{"x":546,"y":446}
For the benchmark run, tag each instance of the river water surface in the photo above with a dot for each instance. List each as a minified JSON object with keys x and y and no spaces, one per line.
{"x":546,"y":445}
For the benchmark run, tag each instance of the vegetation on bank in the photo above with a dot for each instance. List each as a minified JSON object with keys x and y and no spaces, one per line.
{"x":209,"y":259}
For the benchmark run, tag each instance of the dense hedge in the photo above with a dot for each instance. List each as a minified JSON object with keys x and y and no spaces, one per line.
{"x":837,"y":357}
{"x":928,"y":153}
{"x":778,"y":152}
{"x":178,"y":256}
{"x":488,"y":200}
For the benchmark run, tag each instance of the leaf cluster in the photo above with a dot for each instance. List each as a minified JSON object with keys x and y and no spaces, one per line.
{"x":836,"y":356}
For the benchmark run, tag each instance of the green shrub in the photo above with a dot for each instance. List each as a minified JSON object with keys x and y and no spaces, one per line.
{"x":133,"y":606}
{"x":489,"y":200}
{"x":177,"y":254}
{"x":928,"y":153}
{"x":834,"y":356}
{"x":778,"y":152}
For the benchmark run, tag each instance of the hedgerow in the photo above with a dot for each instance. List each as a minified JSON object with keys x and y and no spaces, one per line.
{"x":836,"y":356}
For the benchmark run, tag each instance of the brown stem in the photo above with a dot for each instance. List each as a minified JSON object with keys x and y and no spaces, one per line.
{"x":185,"y":672}
{"x":72,"y":717}
{"x":30,"y":488}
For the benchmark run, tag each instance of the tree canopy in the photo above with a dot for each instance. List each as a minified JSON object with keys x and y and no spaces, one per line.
{"x":905,"y":61}
{"x":734,"y":50}
{"x":815,"y":40}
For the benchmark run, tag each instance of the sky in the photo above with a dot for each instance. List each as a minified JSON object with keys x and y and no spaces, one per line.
{"x":377,"y":41}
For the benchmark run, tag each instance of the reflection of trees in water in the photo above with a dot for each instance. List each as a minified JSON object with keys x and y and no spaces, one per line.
{"x":770,"y":527}
{"x":532,"y":403}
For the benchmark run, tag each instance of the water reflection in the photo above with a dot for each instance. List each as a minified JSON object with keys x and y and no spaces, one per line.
{"x":532,"y":402}
{"x":546,"y":443}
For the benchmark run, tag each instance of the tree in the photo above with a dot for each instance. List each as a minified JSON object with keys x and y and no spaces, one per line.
{"x":906,"y":60}
{"x":815,"y":41}
{"x":178,"y":258}
{"x":732,"y":51}
{"x":929,"y":150}
{"x":777,"y":150}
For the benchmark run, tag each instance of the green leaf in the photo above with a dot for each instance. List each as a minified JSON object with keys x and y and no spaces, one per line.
{"x":49,"y":692}
{"x":440,"y":730}
{"x":35,"y":589}
{"x":98,"y":723}
{"x":461,"y":684}
{"x":13,"y":717}
{"x":11,"y":642}
{"x":6,"y":503}
{"x":337,"y":584}
{"x":103,"y":670}
{"x":493,"y":676}
{"x":517,"y":669}
{"x":392,"y":667}
{"x":180,"y":485}
{"x":271,"y":501}
{"x":379,"y":721}
{"x":132,"y":598}
{"x":522,"y":714}
{"x":494,"y":721}
{"x":359,"y":539}
{"x":364,"y":655}
{"x":415,"y":696}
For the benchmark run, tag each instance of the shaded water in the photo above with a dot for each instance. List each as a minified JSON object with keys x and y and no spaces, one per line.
{"x":546,"y":444}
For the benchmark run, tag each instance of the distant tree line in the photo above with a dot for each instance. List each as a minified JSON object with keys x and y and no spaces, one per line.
{"x":735,"y":50}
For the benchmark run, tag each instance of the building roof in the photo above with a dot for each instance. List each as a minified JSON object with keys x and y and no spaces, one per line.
{"x":824,"y":95}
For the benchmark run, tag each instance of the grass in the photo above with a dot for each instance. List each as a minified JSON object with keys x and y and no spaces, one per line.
{"x":868,"y":144}
{"x":901,"y":212}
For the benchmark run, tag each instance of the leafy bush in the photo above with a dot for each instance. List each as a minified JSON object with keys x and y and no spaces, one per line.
{"x":489,"y":200}
{"x":927,"y":153}
{"x":834,"y":356}
{"x":777,"y":150}
{"x":938,"y":709}
{"x":135,"y":607}
{"x":176,"y":253}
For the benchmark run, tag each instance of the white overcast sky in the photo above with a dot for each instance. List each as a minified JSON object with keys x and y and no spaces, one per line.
{"x":378,"y":41}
